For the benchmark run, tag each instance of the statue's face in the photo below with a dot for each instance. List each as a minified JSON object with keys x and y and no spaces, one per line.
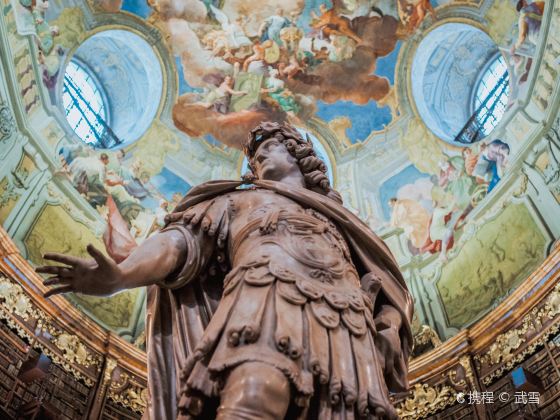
{"x":272,"y":161}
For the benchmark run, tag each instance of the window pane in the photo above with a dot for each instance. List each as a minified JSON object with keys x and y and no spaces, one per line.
{"x":83,"y":104}
{"x":492,"y":95}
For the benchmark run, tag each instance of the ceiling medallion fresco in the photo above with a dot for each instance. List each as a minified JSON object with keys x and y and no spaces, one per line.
{"x":240,"y":64}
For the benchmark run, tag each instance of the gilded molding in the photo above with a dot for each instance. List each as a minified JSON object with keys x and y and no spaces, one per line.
{"x":75,"y":351}
{"x":505,"y":345}
{"x":425,"y":400}
{"x":14,"y":301}
{"x":427,"y":335}
{"x":465,"y":379}
{"x":110,"y":365}
{"x":465,"y":362}
{"x":502,"y":351}
{"x":128,"y":394}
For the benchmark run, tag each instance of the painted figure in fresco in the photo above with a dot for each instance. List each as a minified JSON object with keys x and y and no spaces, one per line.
{"x":88,"y":173}
{"x":272,"y":26}
{"x":442,"y":224}
{"x":413,"y":12}
{"x":330,"y":23}
{"x":233,"y":31}
{"x":279,"y":93}
{"x":50,"y":68}
{"x":266,"y":302}
{"x":130,"y":180}
{"x":96,"y":181}
{"x":470,"y":158}
{"x":44,"y":33}
{"x":522,"y":51}
{"x":530,"y":17}
{"x":413,"y":218}
{"x":69,"y":152}
{"x":342,"y":48}
{"x":492,"y":163}
{"x":327,"y":54}
{"x":455,"y":181}
{"x":452,"y":202}
{"x":292,"y":68}
{"x":219,"y":97}
{"x":257,"y":59}
{"x":291,"y":35}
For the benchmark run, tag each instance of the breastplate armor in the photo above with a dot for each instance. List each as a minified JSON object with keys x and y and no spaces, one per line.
{"x":302,"y":242}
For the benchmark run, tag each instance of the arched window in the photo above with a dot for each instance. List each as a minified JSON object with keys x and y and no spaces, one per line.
{"x":491,"y":95}
{"x":459,"y":83}
{"x":112,"y":89}
{"x":85,"y":109}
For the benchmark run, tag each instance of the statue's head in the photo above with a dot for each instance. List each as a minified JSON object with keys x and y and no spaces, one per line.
{"x":275,"y":150}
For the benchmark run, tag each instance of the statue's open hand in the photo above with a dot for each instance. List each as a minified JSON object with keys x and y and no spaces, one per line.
{"x":99,"y":276}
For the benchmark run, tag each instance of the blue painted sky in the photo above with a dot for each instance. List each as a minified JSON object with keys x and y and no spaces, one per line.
{"x":365,"y":118}
{"x":167,"y":183}
{"x":386,"y":65}
{"x":138,"y":7}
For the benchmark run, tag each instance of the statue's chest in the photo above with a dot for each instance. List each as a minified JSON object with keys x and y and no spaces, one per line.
{"x":252,"y":206}
{"x":265,"y":219}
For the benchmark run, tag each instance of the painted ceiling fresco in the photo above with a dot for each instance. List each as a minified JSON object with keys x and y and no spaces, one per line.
{"x":292,"y":60}
{"x":238,"y":65}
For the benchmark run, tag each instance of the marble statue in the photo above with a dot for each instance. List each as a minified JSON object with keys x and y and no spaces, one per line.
{"x":267,"y":299}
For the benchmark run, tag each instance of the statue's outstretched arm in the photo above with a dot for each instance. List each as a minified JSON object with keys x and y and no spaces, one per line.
{"x":150,"y":263}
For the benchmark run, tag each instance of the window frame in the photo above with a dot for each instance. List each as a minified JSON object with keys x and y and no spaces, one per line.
{"x":98,"y":87}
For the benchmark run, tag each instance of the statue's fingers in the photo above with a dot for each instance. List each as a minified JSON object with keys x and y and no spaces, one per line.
{"x":52,"y":281}
{"x":188,"y":216}
{"x":58,"y":291}
{"x":206,"y":223}
{"x":62,"y":258}
{"x":173,"y":217}
{"x":50,"y":269}
{"x":97,"y":255}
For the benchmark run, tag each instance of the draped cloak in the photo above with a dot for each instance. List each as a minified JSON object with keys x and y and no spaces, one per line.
{"x":177,"y":316}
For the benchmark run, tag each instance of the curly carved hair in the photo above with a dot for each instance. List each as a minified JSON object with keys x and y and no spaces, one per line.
{"x":312,"y":167}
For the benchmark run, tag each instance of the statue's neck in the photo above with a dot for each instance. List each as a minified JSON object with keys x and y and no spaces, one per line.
{"x":294,"y":179}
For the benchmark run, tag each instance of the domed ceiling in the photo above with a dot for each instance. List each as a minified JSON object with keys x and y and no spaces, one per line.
{"x":383,"y":88}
